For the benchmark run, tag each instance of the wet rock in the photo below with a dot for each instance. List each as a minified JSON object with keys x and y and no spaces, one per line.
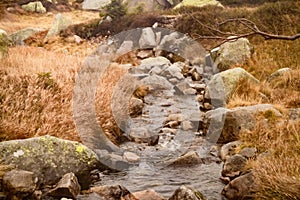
{"x":223,"y":84}
{"x":157,"y":82}
{"x":234,"y":166}
{"x":67,"y":187}
{"x":94,"y":4}
{"x":186,"y":193}
{"x":112,"y":160}
{"x":19,"y":36}
{"x":135,"y":107}
{"x":243,"y":187}
{"x":113,"y":192}
{"x":148,"y":195}
{"x":248,"y":152}
{"x":147,"y":39}
{"x":278,"y":74}
{"x":62,"y":157}
{"x":34,"y":7}
{"x":229,"y":149}
{"x":190,"y":158}
{"x":131,"y":157}
{"x":19,"y":182}
{"x":232,"y":53}
{"x":60,"y":23}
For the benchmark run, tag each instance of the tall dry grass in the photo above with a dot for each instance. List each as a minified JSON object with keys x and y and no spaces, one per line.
{"x":277,"y":174}
{"x":36,"y":88}
{"x":36,"y":93}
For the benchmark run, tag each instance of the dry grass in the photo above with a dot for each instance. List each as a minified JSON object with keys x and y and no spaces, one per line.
{"x":284,"y":91}
{"x":36,"y":93}
{"x":278,"y":173}
{"x":104,"y":101}
{"x":11,"y":22}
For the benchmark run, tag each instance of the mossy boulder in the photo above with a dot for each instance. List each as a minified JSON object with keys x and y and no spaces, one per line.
{"x":231,"y":53}
{"x":49,"y":158}
{"x":3,"y":43}
{"x":18,"y":37}
{"x":60,"y":23}
{"x":34,"y":7}
{"x":223,"y":84}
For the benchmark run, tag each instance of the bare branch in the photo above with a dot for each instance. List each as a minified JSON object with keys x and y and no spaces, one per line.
{"x":218,"y":34}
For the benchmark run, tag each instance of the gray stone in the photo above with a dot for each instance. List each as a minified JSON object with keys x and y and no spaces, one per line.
{"x":60,"y":23}
{"x":19,"y":36}
{"x":229,"y":149}
{"x":67,"y":187}
{"x":125,"y":47}
{"x":175,"y":117}
{"x":172,"y":71}
{"x":232,"y":52}
{"x":155,"y":61}
{"x":147,"y":39}
{"x":131,"y":157}
{"x":243,"y":187}
{"x":224,"y":125}
{"x":36,"y":6}
{"x":187,"y":193}
{"x":157,"y":82}
{"x":19,"y":181}
{"x":190,"y":158}
{"x":94,"y":4}
{"x":222,"y":85}
{"x":49,"y":158}
{"x":234,"y":166}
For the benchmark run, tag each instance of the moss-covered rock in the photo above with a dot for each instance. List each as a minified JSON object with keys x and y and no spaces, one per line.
{"x":34,"y":7}
{"x":18,"y":37}
{"x":223,"y":84}
{"x":49,"y":157}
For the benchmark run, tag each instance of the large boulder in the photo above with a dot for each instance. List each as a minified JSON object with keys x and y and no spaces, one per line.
{"x":224,"y":125}
{"x":200,"y":3}
{"x":20,"y":36}
{"x":36,"y":6}
{"x":49,"y":158}
{"x":222,"y":85}
{"x":232,"y":53}
{"x":60,"y":23}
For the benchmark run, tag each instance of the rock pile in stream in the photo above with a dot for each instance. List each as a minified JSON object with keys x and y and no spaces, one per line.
{"x":177,"y":122}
